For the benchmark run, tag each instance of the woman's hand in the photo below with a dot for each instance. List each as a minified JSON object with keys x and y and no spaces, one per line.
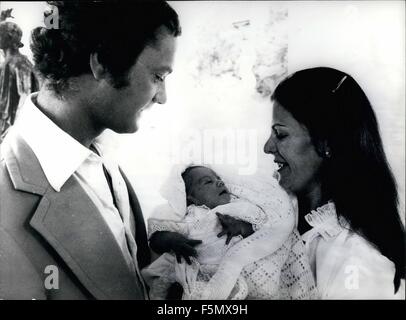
{"x":167,"y":241}
{"x":233,"y":227}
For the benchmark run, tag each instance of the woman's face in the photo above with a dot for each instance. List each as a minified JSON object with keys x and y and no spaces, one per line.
{"x":294,"y":152}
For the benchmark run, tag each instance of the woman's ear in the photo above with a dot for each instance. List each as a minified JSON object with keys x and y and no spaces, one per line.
{"x":323,"y":149}
{"x":97,"y":68}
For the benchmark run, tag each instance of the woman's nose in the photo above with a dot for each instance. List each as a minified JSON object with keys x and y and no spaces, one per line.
{"x":270,"y":146}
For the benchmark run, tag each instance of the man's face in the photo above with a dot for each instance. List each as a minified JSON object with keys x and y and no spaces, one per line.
{"x":119,"y":109}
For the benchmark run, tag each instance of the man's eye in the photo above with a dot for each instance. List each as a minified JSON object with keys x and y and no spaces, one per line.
{"x":159,"y":78}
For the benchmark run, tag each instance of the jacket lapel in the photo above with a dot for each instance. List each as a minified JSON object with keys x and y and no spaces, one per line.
{"x":73,"y":226}
{"x":138,"y":226}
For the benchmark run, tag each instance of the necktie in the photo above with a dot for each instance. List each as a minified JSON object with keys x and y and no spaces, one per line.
{"x":122,"y":203}
{"x":110,"y":183}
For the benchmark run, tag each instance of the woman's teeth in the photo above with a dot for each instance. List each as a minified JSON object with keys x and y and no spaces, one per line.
{"x":281,"y":165}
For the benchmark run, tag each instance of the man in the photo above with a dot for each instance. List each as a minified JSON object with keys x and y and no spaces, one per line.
{"x":70,"y":223}
{"x":17,"y":77}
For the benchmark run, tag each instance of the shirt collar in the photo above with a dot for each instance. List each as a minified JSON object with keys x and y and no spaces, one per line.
{"x":324,"y":222}
{"x":58,"y":153}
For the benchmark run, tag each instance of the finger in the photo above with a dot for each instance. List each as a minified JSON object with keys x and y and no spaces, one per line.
{"x":178,"y":258}
{"x":187,"y":260}
{"x":193,"y":242}
{"x":229,"y":237}
{"x":188,"y":251}
{"x":222,"y":233}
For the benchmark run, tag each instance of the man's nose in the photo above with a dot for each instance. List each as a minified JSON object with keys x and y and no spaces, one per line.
{"x":160,"y":96}
{"x":270,"y":146}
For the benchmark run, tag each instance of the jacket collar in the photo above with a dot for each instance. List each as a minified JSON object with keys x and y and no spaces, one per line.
{"x":57,"y":152}
{"x":70,"y":222}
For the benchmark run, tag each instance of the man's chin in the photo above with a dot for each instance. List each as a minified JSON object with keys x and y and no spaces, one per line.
{"x":132,"y":128}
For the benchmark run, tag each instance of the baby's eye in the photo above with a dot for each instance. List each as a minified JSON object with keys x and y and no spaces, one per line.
{"x":208,"y":182}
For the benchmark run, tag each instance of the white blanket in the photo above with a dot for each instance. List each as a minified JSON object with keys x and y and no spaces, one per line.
{"x":257,"y":267}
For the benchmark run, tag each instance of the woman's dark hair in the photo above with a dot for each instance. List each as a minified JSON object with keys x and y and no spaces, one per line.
{"x":117,"y":31}
{"x":357,"y":176}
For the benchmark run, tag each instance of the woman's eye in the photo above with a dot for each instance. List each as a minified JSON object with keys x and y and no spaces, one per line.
{"x":280,"y":135}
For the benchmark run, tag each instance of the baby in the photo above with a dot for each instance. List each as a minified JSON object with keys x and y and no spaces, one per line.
{"x":242,"y":265}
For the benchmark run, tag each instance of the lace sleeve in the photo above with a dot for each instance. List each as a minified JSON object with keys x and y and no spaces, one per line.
{"x":167,"y":225}
{"x":246,"y":211}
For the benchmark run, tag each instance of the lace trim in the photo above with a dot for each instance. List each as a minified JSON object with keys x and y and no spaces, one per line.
{"x":325,"y":222}
{"x":166,"y":225}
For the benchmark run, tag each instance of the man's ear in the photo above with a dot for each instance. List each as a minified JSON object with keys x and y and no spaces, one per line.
{"x":97,"y":68}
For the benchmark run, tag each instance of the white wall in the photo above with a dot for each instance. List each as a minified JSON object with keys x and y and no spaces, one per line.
{"x":365,"y":39}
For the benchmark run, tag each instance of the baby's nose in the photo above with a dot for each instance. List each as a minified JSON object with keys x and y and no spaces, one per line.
{"x":220,"y":183}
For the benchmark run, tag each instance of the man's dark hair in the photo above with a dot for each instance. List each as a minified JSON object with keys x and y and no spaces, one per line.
{"x":117,"y":31}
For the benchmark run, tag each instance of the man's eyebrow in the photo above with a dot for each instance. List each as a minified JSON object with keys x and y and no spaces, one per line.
{"x":164,"y":69}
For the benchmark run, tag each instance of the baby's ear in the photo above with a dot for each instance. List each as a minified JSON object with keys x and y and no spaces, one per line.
{"x":191,"y":200}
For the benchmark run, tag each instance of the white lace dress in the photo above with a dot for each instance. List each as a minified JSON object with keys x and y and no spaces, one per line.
{"x":270,"y":264}
{"x":200,"y":223}
{"x":345,"y":265}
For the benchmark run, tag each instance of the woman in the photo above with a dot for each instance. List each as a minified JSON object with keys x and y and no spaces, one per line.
{"x":326,"y":142}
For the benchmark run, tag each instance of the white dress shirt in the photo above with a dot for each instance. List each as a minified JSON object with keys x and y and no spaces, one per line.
{"x":61,"y":156}
{"x":345,"y":265}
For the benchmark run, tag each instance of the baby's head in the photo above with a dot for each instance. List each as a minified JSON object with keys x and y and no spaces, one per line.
{"x":204,"y":187}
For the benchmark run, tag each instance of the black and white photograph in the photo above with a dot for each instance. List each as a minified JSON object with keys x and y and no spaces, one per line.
{"x":202,"y":150}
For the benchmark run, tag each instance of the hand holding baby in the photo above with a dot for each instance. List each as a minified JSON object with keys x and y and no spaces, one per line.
{"x":167,"y":241}
{"x":233,"y":227}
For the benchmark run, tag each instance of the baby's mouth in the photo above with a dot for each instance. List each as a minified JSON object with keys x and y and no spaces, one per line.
{"x":223,"y":192}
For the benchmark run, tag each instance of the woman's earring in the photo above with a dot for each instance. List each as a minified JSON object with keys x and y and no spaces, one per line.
{"x":328,"y":154}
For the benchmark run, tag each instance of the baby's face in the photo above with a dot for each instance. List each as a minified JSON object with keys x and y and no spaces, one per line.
{"x":206,"y":188}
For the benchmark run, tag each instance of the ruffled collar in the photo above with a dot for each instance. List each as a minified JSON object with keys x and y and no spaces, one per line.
{"x":324,"y":222}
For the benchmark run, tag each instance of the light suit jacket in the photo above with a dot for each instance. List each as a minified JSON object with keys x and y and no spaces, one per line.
{"x":41,"y":229}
